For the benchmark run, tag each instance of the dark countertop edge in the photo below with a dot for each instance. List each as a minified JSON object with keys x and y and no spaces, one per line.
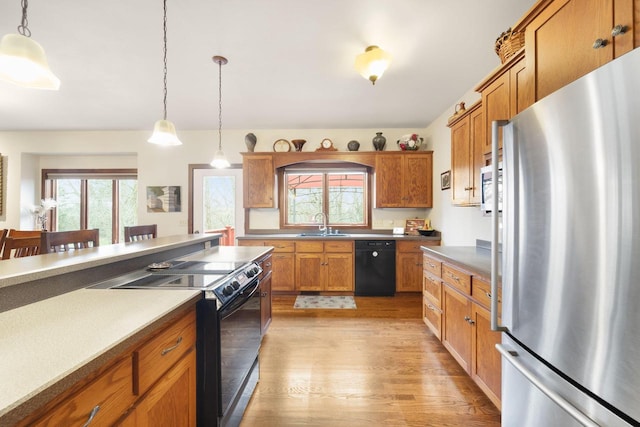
{"x":473,"y":258}
{"x":349,"y":236}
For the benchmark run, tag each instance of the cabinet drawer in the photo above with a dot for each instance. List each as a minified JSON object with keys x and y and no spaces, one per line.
{"x":481,"y":292}
{"x":432,"y":317}
{"x":111,"y":393}
{"x":281,"y":245}
{"x":333,"y":246}
{"x":432,"y":266}
{"x":458,"y":279}
{"x":432,"y":286}
{"x":408,"y":246}
{"x":158,"y":354}
{"x":310,"y":246}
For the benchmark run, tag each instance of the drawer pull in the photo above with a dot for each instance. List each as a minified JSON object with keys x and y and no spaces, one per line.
{"x":173,"y":347}
{"x":432,"y":265}
{"x":434,"y":308}
{"x":92,"y":415}
{"x":469,"y":320}
{"x":267,"y":264}
{"x":456,"y":278}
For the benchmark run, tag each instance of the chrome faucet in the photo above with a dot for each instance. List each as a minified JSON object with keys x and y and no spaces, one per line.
{"x":323,"y":227}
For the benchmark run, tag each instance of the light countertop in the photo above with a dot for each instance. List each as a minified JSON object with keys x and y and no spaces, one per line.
{"x":48,"y":346}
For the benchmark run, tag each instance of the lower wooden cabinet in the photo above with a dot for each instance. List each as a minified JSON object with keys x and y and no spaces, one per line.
{"x":171,"y":401}
{"x":152,"y":384}
{"x":324,"y":266}
{"x":486,"y":362}
{"x":282,"y":262}
{"x":409,"y":264}
{"x":456,"y":329}
{"x":265,"y":293}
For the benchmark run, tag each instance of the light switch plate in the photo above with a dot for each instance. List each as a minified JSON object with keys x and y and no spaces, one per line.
{"x":398,"y":230}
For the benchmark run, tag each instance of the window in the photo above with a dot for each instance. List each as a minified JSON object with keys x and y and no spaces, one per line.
{"x":103,"y":199}
{"x":341,"y":193}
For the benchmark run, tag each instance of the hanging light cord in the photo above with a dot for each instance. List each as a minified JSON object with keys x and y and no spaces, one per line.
{"x":164,"y":29}
{"x":23,"y":27}
{"x":220,"y":105}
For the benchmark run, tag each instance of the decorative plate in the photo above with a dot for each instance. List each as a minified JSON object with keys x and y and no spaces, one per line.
{"x":281,"y":145}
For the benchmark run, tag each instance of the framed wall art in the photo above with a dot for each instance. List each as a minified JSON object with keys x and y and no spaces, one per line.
{"x":163,"y":199}
{"x":445,"y":180}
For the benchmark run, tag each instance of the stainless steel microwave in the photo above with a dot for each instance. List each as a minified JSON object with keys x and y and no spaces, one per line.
{"x":486,"y":178}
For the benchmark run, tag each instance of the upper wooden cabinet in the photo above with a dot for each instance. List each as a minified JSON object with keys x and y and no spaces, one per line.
{"x":404,"y":179}
{"x":504,"y":94}
{"x":561,"y":41}
{"x":259,"y":178}
{"x":467,"y":156}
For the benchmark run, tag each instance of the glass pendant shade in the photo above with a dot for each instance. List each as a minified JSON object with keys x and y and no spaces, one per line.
{"x":23,"y":63}
{"x":164,"y":133}
{"x":220,"y":160}
{"x":372,"y":63}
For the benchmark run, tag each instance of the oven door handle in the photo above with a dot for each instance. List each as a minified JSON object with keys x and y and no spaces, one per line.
{"x":237,"y":302}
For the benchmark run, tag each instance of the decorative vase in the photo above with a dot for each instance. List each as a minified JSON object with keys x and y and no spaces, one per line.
{"x":298,"y":143}
{"x":250,"y":140}
{"x":353,"y":145}
{"x":379,"y":141}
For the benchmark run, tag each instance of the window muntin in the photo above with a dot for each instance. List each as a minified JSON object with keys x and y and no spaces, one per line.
{"x":341,"y":193}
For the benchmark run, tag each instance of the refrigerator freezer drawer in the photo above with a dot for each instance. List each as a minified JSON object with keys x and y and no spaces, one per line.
{"x":525,"y":405}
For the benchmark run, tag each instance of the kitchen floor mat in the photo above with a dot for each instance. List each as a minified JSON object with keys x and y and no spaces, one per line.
{"x":318,"y":301}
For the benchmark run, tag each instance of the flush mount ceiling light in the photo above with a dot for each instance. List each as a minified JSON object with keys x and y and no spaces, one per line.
{"x":164,"y":132}
{"x":372,"y":63}
{"x":22,"y":59}
{"x":219,"y":159}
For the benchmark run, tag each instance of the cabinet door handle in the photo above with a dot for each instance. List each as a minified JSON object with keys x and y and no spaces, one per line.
{"x":173,"y":347}
{"x":468,"y":188}
{"x":92,"y":415}
{"x":599,"y":43}
{"x":488,"y":294}
{"x":264,"y":294}
{"x":469,"y":320}
{"x":456,"y":278}
{"x":618,"y":30}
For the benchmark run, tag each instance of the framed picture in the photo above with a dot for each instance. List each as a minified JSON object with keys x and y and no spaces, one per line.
{"x":445,"y":180}
{"x":412,"y":225}
{"x":163,"y":199}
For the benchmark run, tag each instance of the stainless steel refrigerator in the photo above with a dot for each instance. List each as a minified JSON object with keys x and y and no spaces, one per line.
{"x":570,"y":260}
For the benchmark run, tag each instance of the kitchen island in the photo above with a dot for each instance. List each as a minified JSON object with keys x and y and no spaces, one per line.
{"x":62,"y":343}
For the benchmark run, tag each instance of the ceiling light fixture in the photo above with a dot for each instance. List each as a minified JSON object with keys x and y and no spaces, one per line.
{"x":164,"y":132}
{"x":372,"y":63}
{"x":219,"y":159}
{"x":22,"y":59}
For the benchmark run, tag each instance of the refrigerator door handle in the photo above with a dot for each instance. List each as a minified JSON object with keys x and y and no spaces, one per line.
{"x":495,"y":223}
{"x":512,"y":358}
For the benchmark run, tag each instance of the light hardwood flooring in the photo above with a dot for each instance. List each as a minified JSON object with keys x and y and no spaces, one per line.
{"x":374,"y":366}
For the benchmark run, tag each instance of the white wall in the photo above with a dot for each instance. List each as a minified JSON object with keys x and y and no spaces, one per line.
{"x":26,"y":153}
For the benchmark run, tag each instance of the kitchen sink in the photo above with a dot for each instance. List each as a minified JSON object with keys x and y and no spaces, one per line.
{"x":316,"y":234}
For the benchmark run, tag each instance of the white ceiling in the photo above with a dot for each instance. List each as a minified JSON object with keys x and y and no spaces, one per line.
{"x":290,"y":62}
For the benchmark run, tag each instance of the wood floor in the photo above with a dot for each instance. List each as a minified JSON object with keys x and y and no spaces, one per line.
{"x":374,"y":366}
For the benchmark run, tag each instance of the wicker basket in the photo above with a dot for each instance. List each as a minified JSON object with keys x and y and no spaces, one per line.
{"x":509,"y":43}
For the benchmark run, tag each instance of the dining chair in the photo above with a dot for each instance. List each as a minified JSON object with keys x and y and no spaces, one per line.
{"x":64,"y":241}
{"x":3,"y":236}
{"x":23,"y":233}
{"x":21,"y":247}
{"x":136,"y":233}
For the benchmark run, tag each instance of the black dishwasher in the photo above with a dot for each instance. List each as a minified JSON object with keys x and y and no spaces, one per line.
{"x":375,"y":268}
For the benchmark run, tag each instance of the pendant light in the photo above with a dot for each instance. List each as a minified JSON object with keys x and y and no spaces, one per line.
{"x":164,"y":132}
{"x":372,"y":63}
{"x":22,"y":59}
{"x":219,"y":159}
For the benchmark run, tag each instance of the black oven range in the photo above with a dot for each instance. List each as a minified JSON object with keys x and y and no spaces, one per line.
{"x":228,"y":331}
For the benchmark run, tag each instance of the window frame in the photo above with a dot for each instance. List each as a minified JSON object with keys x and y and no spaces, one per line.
{"x":48,"y":190}
{"x":325,"y":168}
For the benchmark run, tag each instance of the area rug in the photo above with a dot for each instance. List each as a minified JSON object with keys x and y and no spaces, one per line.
{"x":318,"y":301}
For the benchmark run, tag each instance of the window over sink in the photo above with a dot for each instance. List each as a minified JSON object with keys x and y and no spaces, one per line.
{"x":341,"y":193}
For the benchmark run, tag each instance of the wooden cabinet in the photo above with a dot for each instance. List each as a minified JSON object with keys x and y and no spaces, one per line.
{"x":504,"y":94}
{"x":171,"y":401}
{"x":409,"y":265}
{"x":259,"y":180}
{"x":456,"y":306}
{"x":282,"y":262}
{"x":467,"y":156}
{"x":265,"y":292}
{"x":324,"y":266}
{"x":152,"y":384}
{"x":560,"y":42}
{"x":404,"y":179}
{"x":432,"y":294}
